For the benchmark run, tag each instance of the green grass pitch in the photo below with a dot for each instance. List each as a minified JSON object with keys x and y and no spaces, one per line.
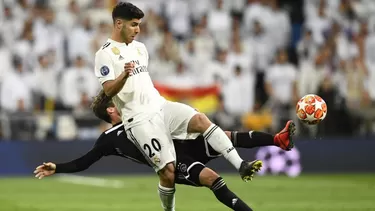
{"x":138,"y":193}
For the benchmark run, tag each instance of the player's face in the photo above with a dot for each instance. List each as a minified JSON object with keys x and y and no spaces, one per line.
{"x":130,"y":29}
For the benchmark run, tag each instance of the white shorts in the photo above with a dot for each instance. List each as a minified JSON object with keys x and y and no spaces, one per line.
{"x":154,"y":136}
{"x":153,"y":141}
{"x":177,"y":117}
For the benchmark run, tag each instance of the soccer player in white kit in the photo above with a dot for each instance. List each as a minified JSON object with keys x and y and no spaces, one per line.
{"x":151,"y":121}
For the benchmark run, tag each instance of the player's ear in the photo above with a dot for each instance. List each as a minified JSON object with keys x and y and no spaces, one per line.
{"x":119,"y":24}
{"x":110,"y":110}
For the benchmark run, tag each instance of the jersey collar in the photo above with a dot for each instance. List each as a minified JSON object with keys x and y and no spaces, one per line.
{"x":117,"y":124}
{"x":118,"y":43}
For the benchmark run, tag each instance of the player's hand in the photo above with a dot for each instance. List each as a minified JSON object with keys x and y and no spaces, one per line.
{"x":128,"y":68}
{"x":45,"y":170}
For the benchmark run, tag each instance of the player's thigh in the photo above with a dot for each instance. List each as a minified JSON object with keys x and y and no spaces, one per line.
{"x":177,"y":117}
{"x":153,"y":140}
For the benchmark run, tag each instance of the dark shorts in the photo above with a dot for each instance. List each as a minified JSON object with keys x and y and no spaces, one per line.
{"x":192,"y":157}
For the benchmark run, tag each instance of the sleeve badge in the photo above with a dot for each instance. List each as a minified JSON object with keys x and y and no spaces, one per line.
{"x":104,"y":70}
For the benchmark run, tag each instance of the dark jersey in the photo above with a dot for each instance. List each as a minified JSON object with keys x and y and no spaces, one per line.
{"x":114,"y":142}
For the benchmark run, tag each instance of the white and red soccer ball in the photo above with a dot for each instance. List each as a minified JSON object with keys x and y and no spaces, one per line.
{"x":311,"y":109}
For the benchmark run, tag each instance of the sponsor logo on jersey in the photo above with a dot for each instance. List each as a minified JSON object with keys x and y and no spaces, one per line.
{"x":104,"y":70}
{"x":139,"y":69}
{"x":115,"y":50}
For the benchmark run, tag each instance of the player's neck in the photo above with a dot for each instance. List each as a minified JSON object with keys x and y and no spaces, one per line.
{"x":117,"y":38}
{"x":115,"y":120}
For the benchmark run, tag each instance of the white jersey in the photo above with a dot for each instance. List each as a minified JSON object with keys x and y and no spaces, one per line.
{"x":138,"y":100}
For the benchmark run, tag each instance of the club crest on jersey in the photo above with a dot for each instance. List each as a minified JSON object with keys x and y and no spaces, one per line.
{"x":115,"y":50}
{"x":156,"y":160}
{"x":139,"y":51}
{"x":104,"y":70}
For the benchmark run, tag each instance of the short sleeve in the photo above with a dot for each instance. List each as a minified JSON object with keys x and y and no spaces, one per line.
{"x":104,"y":70}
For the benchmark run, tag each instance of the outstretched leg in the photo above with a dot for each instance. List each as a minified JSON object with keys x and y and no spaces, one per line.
{"x":218,"y":140}
{"x":252,"y":139}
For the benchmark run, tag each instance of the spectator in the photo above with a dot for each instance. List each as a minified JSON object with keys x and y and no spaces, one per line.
{"x":78,"y":95}
{"x":161,"y":65}
{"x":203,"y":41}
{"x":238,"y":92}
{"x":5,"y":60}
{"x":16,"y":94}
{"x":224,"y":119}
{"x":262,"y":54}
{"x":219,"y":24}
{"x":79,"y":41}
{"x":67,"y":18}
{"x":178,"y":14}
{"x":279,"y":25}
{"x":45,"y":83}
{"x":238,"y":57}
{"x":280,"y":82}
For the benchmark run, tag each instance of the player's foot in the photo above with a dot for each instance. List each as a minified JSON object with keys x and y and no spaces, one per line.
{"x":248,"y":169}
{"x":284,"y":138}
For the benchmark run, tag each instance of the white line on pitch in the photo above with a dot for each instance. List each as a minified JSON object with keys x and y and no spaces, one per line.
{"x":90,"y":181}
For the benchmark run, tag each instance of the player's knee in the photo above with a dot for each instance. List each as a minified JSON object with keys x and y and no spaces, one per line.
{"x":207,"y":177}
{"x":229,"y":134}
{"x":199,"y":123}
{"x":167,"y":175}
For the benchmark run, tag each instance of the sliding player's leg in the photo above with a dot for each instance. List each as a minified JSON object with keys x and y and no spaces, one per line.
{"x":156,"y":145}
{"x":197,"y":174}
{"x":283,"y":139}
{"x":183,"y":119}
{"x":212,"y":180}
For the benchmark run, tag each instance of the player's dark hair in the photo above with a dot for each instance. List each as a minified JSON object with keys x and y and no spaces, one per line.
{"x":127,"y":11}
{"x":100,"y":104}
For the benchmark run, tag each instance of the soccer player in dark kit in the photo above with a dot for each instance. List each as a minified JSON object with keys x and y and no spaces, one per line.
{"x":192,"y":155}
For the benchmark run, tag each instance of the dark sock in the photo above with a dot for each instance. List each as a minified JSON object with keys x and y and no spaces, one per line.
{"x":227,"y":197}
{"x":251,"y":139}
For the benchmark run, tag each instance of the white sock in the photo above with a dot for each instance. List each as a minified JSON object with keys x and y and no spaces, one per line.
{"x":220,"y":142}
{"x":167,"y":197}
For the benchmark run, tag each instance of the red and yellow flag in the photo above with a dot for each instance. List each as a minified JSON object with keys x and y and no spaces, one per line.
{"x":204,"y":99}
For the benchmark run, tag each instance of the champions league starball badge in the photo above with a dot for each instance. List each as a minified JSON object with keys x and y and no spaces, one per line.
{"x":104,"y":70}
{"x":277,"y":161}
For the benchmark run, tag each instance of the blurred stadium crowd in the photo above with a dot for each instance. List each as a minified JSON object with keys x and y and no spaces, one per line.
{"x":262,"y":54}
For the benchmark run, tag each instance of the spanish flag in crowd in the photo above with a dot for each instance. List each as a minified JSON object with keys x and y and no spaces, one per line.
{"x":204,"y":99}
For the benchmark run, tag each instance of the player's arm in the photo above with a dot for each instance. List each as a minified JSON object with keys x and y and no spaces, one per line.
{"x":77,"y":165}
{"x":104,"y":71}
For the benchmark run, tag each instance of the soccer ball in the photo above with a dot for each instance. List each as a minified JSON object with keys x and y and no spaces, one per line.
{"x":311,"y":109}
